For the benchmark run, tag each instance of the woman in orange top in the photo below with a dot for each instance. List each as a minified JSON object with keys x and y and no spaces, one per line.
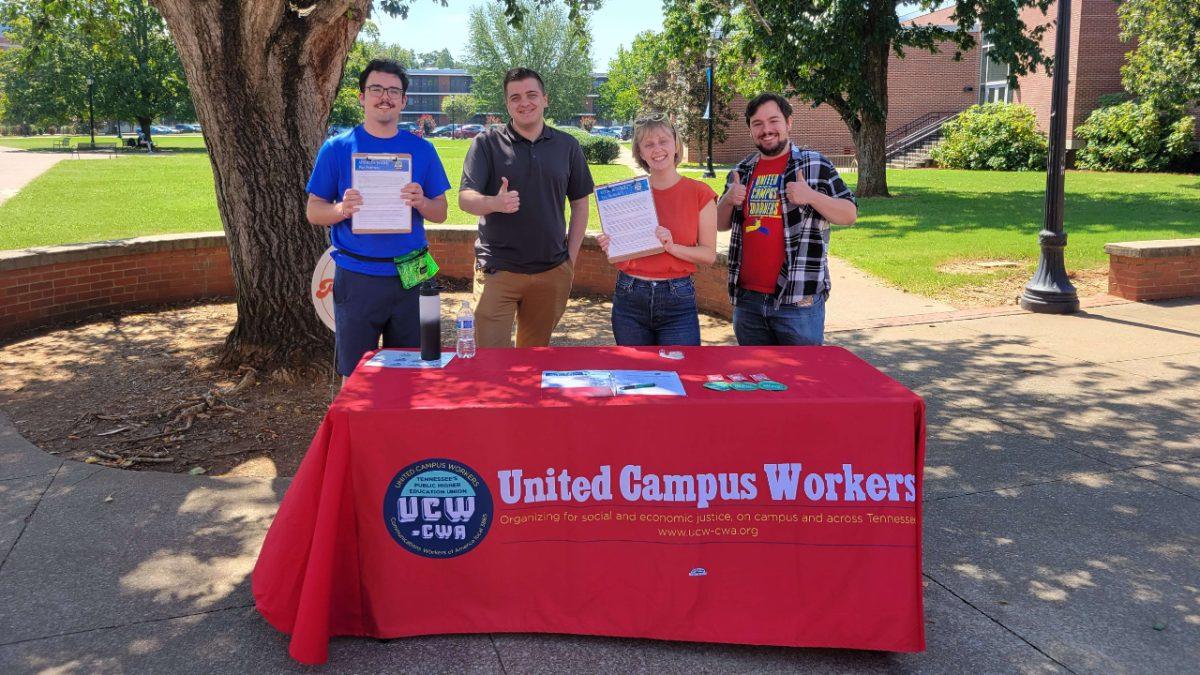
{"x":655,"y":300}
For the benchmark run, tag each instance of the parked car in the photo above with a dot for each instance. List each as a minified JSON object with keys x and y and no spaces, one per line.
{"x":611,"y":132}
{"x":626,"y":132}
{"x":468,"y":131}
{"x":162,"y":130}
{"x":445,"y":131}
{"x":410,"y":127}
{"x":187,"y":128}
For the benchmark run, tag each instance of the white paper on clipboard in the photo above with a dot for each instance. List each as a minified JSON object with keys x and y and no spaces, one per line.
{"x":628,"y":217}
{"x":379,"y":177}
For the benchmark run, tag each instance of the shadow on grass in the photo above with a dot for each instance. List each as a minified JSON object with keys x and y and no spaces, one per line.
{"x":938,"y":210}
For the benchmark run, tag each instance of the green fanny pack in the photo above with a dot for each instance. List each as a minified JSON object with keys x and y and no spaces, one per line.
{"x":415,"y":267}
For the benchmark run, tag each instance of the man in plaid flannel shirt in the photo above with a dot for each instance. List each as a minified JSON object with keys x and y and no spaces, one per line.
{"x":780,"y":202}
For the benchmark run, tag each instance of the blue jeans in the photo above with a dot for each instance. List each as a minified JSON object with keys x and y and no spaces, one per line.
{"x":757,"y":322}
{"x":367,"y":307}
{"x":659,"y":312}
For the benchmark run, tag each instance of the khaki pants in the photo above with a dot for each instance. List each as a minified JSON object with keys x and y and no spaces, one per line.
{"x":536,"y":301}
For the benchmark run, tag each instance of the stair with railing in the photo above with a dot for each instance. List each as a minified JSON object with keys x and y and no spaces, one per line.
{"x":908,"y":146}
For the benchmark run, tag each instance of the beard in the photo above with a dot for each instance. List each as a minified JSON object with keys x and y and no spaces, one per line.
{"x":772,"y":150}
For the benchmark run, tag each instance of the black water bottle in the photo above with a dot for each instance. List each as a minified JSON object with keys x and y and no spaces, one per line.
{"x":431,"y":321}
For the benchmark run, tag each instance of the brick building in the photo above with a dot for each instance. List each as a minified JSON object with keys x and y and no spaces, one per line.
{"x":924,"y":88}
{"x":428,"y":87}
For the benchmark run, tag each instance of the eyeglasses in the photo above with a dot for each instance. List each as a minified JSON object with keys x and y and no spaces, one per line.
{"x":650,"y":117}
{"x":377,"y":91}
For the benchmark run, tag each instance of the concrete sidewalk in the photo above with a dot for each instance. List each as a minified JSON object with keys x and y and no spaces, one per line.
{"x":19,"y":167}
{"x":1062,"y":529}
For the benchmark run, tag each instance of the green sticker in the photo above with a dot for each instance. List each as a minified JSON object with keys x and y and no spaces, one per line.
{"x":744,"y":386}
{"x":770,"y":385}
{"x":717,"y":386}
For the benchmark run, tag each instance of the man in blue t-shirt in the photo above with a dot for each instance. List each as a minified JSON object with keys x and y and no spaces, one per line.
{"x":369,"y":299}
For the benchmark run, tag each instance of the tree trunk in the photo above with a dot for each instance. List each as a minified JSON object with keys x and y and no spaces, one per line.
{"x":263,"y":80}
{"x":144,"y":125}
{"x":870,"y":137}
{"x":870,"y":145}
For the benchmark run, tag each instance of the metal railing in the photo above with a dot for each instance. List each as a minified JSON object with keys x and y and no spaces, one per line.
{"x":843,"y":162}
{"x":916,"y":131}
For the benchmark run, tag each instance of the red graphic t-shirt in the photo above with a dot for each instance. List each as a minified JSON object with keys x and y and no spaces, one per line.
{"x":762,"y":227}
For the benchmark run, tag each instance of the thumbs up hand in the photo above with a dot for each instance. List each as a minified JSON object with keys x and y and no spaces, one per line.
{"x":799,"y":193}
{"x":506,"y":201}
{"x":735,"y":192}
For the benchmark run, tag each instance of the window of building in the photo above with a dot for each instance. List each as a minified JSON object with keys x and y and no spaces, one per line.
{"x":993,"y":76}
{"x":460,"y":85}
{"x":424,"y":103}
{"x":423,"y":83}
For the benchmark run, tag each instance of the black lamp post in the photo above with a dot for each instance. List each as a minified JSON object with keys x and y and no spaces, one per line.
{"x":708,"y":111}
{"x":91,"y":118}
{"x":1050,"y":290}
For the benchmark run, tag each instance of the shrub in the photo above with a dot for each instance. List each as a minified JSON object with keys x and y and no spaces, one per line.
{"x":1134,"y":136}
{"x":601,"y":150}
{"x":596,"y":149}
{"x":995,"y":136}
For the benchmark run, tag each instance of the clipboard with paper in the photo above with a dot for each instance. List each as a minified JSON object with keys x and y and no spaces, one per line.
{"x":379,"y":177}
{"x":628,"y":217}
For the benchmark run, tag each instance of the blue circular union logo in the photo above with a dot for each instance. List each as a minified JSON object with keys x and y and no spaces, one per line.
{"x":438,"y":508}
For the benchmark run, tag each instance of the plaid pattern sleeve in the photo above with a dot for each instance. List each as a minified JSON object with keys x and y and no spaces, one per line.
{"x":806,"y":232}
{"x":829,"y":181}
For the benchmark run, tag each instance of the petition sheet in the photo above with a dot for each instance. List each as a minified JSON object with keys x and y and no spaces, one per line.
{"x":380,"y":177}
{"x":627,"y":216}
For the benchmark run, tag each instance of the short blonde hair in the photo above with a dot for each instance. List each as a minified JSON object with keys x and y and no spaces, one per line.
{"x":640,"y":131}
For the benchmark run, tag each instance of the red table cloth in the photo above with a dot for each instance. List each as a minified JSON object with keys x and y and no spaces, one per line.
{"x":470,"y":500}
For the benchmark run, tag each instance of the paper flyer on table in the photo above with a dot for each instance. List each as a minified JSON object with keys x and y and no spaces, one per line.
{"x":379,"y":178}
{"x":628,"y":217}
{"x":390,"y":358}
{"x":617,"y":382}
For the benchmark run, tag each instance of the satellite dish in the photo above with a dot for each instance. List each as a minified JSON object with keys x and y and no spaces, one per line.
{"x":321,"y":289}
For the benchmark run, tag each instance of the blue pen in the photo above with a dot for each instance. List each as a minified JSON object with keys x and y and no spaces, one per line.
{"x":640,"y":385}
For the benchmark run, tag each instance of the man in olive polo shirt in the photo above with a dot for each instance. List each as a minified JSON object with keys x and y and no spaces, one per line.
{"x":515,"y":178}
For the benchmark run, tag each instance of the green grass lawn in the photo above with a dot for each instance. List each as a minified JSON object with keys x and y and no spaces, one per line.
{"x":936,"y":218}
{"x":915,"y":240}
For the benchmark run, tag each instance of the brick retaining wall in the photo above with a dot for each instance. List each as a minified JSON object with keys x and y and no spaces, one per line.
{"x":61,"y":284}
{"x":1154,"y":270}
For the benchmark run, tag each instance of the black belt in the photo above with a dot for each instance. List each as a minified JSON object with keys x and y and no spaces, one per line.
{"x":366,"y":258}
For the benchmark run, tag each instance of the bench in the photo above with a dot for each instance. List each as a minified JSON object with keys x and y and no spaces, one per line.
{"x":107,"y":146}
{"x":1154,"y":270}
{"x":63,"y":143}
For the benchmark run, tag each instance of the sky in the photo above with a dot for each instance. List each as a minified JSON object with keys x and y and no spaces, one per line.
{"x":430,"y":26}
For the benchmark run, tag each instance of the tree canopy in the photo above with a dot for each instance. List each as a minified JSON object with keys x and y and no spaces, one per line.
{"x":837,"y":53}
{"x":544,"y":41}
{"x":123,"y":45}
{"x":1165,"y":66}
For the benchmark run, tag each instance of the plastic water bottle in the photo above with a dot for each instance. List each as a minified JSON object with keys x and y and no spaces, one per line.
{"x":465,"y":325}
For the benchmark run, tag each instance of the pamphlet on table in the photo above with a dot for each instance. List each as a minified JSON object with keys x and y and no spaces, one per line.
{"x":616,"y":382}
{"x":391,"y":358}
